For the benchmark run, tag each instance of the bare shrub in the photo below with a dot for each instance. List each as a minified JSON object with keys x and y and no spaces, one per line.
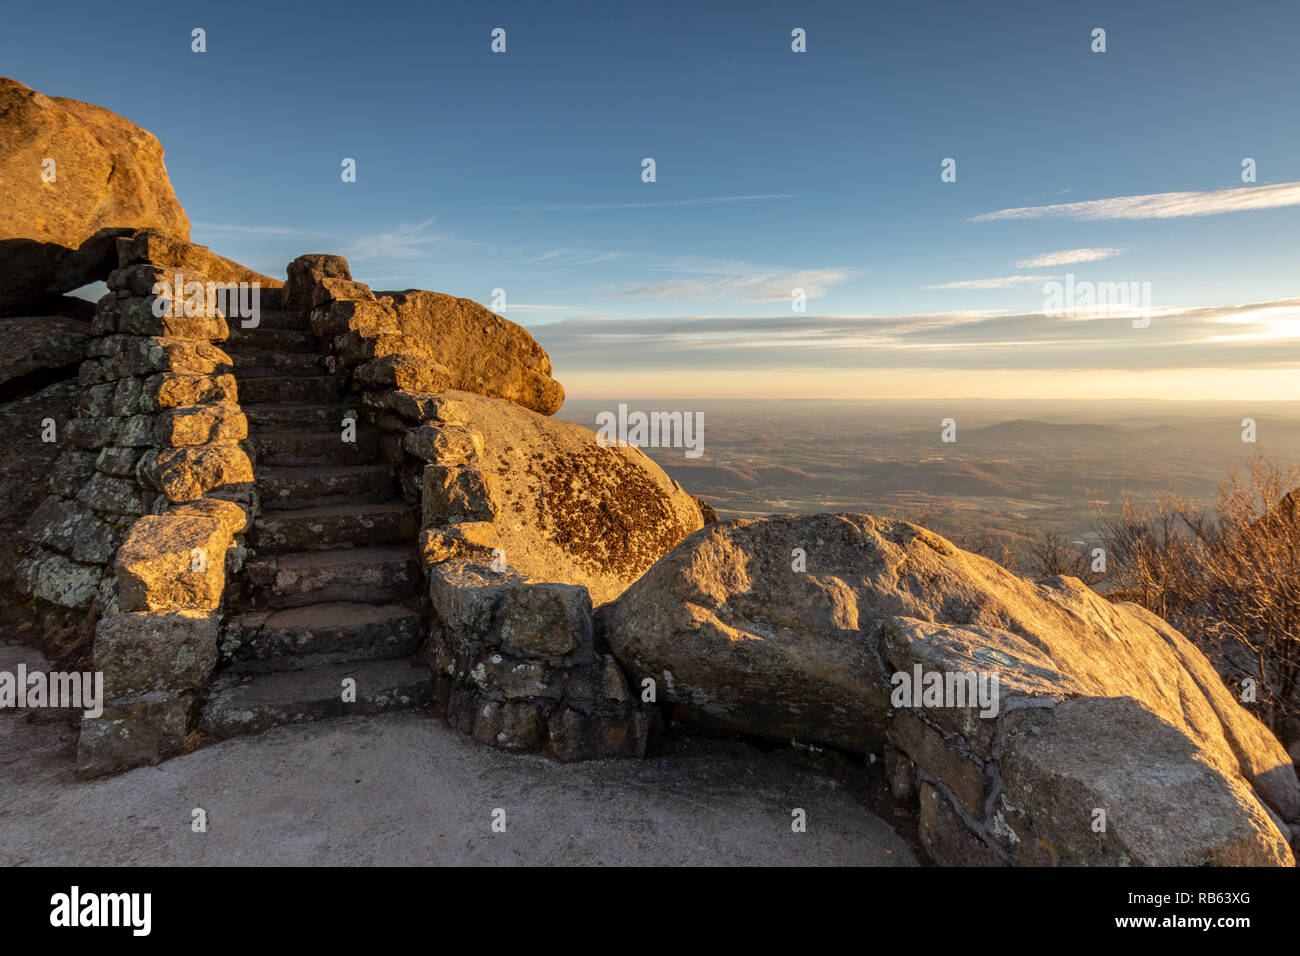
{"x":1050,"y":552}
{"x":1227,"y":576}
{"x":1005,"y":549}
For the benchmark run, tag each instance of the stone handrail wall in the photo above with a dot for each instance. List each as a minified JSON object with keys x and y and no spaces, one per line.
{"x":417,"y":340}
{"x":148,"y":505}
{"x":516,"y":660}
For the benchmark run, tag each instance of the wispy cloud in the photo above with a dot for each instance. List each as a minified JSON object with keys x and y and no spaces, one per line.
{"x":598,"y":206}
{"x":1067,"y":257}
{"x":575,"y":257}
{"x":700,"y":265}
{"x":536,"y":307}
{"x":404,"y":242}
{"x":754,"y":287}
{"x":272,"y":231}
{"x":1160,"y":205}
{"x":1242,"y":336}
{"x":1003,"y":282}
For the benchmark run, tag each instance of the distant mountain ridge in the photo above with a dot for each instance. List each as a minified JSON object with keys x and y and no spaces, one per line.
{"x":1027,"y":429}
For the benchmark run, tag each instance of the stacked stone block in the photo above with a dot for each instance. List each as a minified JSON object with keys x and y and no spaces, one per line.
{"x":517,"y":666}
{"x":147,"y":503}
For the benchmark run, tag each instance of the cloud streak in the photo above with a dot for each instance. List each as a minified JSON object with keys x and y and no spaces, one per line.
{"x":1243,"y":336}
{"x":1004,"y":282}
{"x":405,"y":242}
{"x":1159,"y":205}
{"x":598,"y":206}
{"x":1067,"y":257}
{"x":574,"y":257}
{"x":287,"y":232}
{"x":754,"y":287}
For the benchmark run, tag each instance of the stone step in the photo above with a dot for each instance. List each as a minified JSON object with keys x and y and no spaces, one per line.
{"x":271,"y":298}
{"x":254,"y":390}
{"x":327,"y":632}
{"x":296,"y":448}
{"x":278,"y":365}
{"x":286,"y":416}
{"x":258,"y":354}
{"x":280,"y":319}
{"x":334,"y":526}
{"x":268,"y":340}
{"x":243,"y":703}
{"x":257,"y":364}
{"x":317,"y":485}
{"x":298,"y":578}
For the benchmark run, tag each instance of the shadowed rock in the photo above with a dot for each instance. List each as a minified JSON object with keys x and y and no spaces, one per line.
{"x":36,"y":351}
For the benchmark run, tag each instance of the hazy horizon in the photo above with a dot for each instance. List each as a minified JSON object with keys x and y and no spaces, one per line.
{"x":931,"y":399}
{"x":1015,"y":469}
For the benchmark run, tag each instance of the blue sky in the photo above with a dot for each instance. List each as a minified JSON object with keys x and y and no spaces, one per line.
{"x":775,"y":170}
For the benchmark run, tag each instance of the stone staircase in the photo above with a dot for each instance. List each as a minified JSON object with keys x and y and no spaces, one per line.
{"x":330,"y":589}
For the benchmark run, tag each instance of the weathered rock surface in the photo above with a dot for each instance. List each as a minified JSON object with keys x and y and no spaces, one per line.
{"x":1165,"y":803}
{"x":723,"y":624}
{"x":133,"y":734}
{"x":421,"y":341}
{"x":527,"y":522}
{"x":176,"y":560}
{"x":149,"y":656}
{"x":483,"y":352}
{"x":1099,"y":706}
{"x":30,"y":345}
{"x":563,"y":507}
{"x":108,"y":180}
{"x":517,"y":666}
{"x":149,"y":255}
{"x":25,"y":457}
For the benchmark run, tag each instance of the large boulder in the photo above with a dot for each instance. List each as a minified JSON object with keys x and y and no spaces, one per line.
{"x":422,"y":341}
{"x":108,"y":180}
{"x":528,"y":522}
{"x":557,"y":504}
{"x":483,"y":352}
{"x":1102,"y":715}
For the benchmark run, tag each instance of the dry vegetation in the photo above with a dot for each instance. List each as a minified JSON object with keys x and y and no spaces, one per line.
{"x":1227,"y":575}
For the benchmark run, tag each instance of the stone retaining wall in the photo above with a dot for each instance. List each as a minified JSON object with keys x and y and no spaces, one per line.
{"x":148,"y":501}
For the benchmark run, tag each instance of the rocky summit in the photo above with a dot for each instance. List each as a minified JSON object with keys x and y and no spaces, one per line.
{"x":308,"y":499}
{"x":73,"y":178}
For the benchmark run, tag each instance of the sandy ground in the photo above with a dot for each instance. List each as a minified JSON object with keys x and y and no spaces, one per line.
{"x":402,"y":789}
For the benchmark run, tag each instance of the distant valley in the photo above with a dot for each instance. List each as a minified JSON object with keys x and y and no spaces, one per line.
{"x":1015,"y":469}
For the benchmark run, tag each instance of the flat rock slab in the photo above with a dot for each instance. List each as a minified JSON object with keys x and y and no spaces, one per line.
{"x":317,"y":485}
{"x":249,"y":703}
{"x":402,"y":789}
{"x":348,"y":630}
{"x":341,"y":574}
{"x":333,"y":526}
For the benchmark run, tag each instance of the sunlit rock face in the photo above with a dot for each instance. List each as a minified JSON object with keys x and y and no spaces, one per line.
{"x":811,"y":626}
